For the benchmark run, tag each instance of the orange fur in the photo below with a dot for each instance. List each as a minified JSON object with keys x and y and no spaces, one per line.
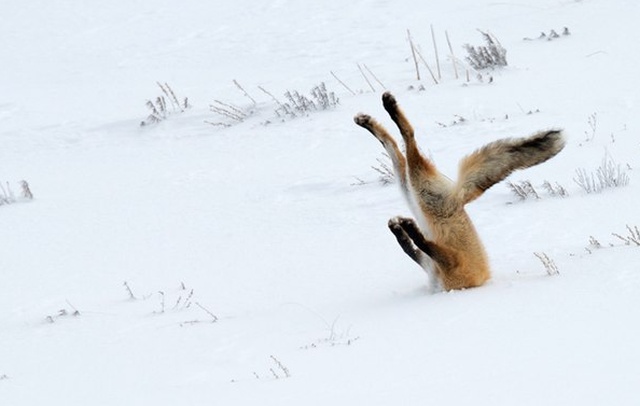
{"x":454,"y":250}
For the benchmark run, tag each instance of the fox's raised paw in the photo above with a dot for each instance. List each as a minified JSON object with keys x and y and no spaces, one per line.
{"x":363,"y":120}
{"x":406,"y":222}
{"x":394,"y":227}
{"x":395,"y":221}
{"x":389,"y":102}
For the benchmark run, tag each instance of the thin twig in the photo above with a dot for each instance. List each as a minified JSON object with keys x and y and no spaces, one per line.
{"x":435,"y":48}
{"x":161,"y":301}
{"x":235,"y":82}
{"x":428,"y":67}
{"x":217,"y":124}
{"x":284,"y":369}
{"x":75,"y":311}
{"x":413,"y":53}
{"x":166,"y":89}
{"x":365,"y":78}
{"x":228,"y":110}
{"x":131,"y":295}
{"x":374,"y":76}
{"x":342,"y":83}
{"x":187,"y":301}
{"x":26,"y":191}
{"x":269,"y":94}
{"x":453,"y":57}
{"x":213,"y":316}
{"x":548,"y":263}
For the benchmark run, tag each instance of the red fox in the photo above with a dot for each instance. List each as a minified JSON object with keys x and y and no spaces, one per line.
{"x":451,"y":248}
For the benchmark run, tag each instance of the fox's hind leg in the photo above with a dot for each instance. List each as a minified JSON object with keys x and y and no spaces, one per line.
{"x":389,"y":144}
{"x":416,"y":162}
{"x":430,"y":188}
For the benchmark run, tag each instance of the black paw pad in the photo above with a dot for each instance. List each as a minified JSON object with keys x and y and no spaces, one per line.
{"x":388,"y":101}
{"x":362,"y":119}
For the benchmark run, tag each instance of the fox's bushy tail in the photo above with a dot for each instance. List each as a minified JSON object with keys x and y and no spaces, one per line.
{"x":495,"y":161}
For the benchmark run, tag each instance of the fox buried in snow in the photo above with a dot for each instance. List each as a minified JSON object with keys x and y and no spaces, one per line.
{"x":451,"y":247}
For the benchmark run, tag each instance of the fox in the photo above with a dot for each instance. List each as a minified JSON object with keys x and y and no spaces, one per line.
{"x":442,"y":239}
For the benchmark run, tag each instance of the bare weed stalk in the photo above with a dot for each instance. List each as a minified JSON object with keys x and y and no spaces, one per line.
{"x":228,"y":110}
{"x":63,"y":313}
{"x":556,"y":190}
{"x":413,"y":53}
{"x":373,"y":76}
{"x":160,"y":109}
{"x":435,"y":80}
{"x":384,"y":170}
{"x":373,"y":89}
{"x":235,"y":82}
{"x":549,"y":264}
{"x":453,"y":57}
{"x":592,"y":121}
{"x":26,"y":191}
{"x":633,"y":236}
{"x":342,"y":83}
{"x":490,"y":55}
{"x":435,"y":50}
{"x":523,"y":190}
{"x":129,"y":291}
{"x":281,"y":367}
{"x":608,"y":175}
{"x":214,"y":318}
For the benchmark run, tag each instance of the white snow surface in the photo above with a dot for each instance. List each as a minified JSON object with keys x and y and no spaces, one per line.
{"x":262,"y":275}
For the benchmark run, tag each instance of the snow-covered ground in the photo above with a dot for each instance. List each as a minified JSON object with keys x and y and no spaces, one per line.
{"x":187,"y":263}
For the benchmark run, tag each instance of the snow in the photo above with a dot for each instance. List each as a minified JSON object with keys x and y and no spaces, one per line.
{"x":260,"y":273}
